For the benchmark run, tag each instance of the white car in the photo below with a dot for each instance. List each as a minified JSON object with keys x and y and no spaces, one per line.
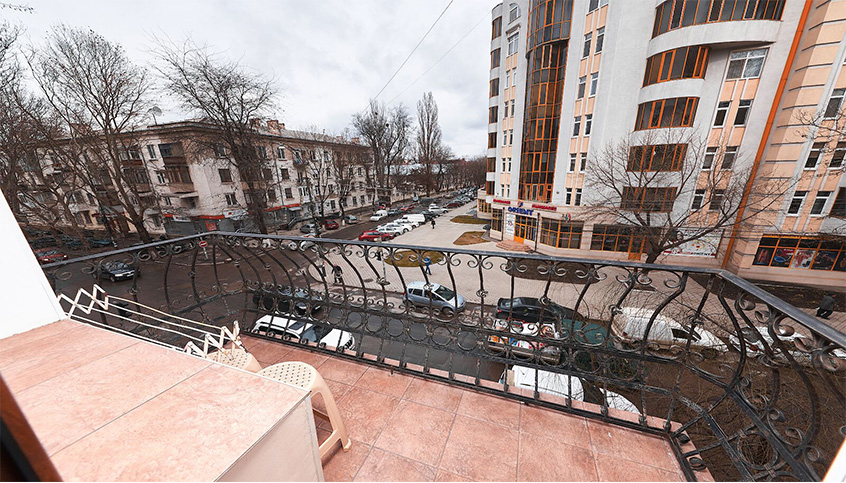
{"x":297,"y":329}
{"x":755,"y":339}
{"x":294,"y":245}
{"x":407,"y":221}
{"x":379,"y":215}
{"x":630,"y":326}
{"x":564,"y":386}
{"x":394,"y":230}
{"x":437,"y":209}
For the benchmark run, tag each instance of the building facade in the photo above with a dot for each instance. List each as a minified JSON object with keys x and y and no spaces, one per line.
{"x":187,"y":186}
{"x":569,"y":78}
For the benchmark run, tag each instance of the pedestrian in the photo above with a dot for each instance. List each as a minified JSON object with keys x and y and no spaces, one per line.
{"x":428,"y":263}
{"x":826,"y":306}
{"x":433,"y":223}
{"x":339,"y":275}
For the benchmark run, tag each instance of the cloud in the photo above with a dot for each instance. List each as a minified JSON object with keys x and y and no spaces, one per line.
{"x":328,"y":57}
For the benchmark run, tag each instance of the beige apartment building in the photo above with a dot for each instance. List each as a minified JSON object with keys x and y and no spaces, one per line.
{"x":185,"y":188}
{"x":570,"y":78}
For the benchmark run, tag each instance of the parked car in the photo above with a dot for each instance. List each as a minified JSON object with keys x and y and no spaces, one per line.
{"x":394,"y":212}
{"x":375,"y":236}
{"x":758,"y":338}
{"x":49,"y":255}
{"x":565,"y":386}
{"x":437,"y":209}
{"x":308,"y":228}
{"x":393,"y":230}
{"x":379,"y":215}
{"x":302,"y":245}
{"x":350,"y":219}
{"x":440,"y":297}
{"x":407,"y":208}
{"x":303,"y":330}
{"x":528,"y":309}
{"x":413,"y":220}
{"x":279,"y":301}
{"x":43,"y":241}
{"x":665,"y":332}
{"x":99,"y":242}
{"x":117,"y":271}
{"x":330,"y":224}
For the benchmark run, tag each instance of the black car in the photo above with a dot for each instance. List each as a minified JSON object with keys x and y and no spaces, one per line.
{"x":71,"y":242}
{"x":118,"y":271}
{"x":528,"y":309}
{"x":43,"y":242}
{"x":280,"y":300}
{"x":99,"y":242}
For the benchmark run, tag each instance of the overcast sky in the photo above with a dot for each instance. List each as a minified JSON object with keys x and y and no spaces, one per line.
{"x":327,"y":56}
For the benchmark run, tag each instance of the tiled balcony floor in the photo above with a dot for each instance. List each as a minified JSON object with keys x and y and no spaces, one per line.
{"x":406,"y":428}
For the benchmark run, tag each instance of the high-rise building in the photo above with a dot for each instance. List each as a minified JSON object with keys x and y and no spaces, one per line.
{"x":696,"y":94}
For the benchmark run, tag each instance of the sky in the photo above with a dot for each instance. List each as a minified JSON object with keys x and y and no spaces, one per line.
{"x":327,"y":57}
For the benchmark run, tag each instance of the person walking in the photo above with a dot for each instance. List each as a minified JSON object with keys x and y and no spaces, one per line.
{"x":433,"y":223}
{"x":428,"y":262}
{"x":826,"y":306}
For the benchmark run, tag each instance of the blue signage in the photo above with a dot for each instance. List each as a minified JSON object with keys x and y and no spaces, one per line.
{"x":521,"y":211}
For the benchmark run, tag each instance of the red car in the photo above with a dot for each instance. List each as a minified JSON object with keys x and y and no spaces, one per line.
{"x":406,"y":209}
{"x":49,"y":255}
{"x":330,"y":224}
{"x":373,"y":235}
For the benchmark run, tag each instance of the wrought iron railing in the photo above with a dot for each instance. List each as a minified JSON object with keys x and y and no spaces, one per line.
{"x":741,"y":383}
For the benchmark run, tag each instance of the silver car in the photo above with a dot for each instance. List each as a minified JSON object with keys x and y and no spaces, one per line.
{"x":441,"y":298}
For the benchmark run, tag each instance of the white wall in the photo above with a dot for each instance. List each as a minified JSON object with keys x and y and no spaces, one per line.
{"x":26,"y":299}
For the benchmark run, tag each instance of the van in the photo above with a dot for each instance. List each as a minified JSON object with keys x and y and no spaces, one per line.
{"x":666,"y":332}
{"x":415,"y":219}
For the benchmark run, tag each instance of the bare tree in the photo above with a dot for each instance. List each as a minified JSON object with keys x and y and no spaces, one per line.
{"x":99,"y":99}
{"x":826,"y":128}
{"x":387,"y":132}
{"x":232,"y":101}
{"x":670,"y":189}
{"x":428,"y":146}
{"x":16,"y":135}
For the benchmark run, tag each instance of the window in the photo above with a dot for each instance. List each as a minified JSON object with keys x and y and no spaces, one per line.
{"x":672,"y":112}
{"x":577,"y":125}
{"x":681,"y":63}
{"x":710,"y":154}
{"x":594,"y":82}
{"x":231,"y":200}
{"x":586,"y":46}
{"x":514,"y":13}
{"x":513,"y":83}
{"x":600,"y":39}
{"x":151,"y":149}
{"x":494,"y":87}
{"x":656,"y":157}
{"x":581,"y":91}
{"x":746,"y":64}
{"x":332,"y":204}
{"x":796,"y":202}
{"x":834,"y":103}
{"x":510,"y":137}
{"x":525,"y":227}
{"x":495,"y":58}
{"x":728,"y":157}
{"x":496,"y":28}
{"x":568,"y":196}
{"x":491,"y":165}
{"x":722,"y":112}
{"x":814,"y":155}
{"x":490,"y":187}
{"x":167,"y":201}
{"x":742,"y":112}
{"x":289,"y":193}
{"x":698,"y":198}
{"x":801,"y":252}
{"x":819,"y":202}
{"x":507,"y":79}
{"x":169,"y":150}
{"x":284,"y":173}
{"x":572,"y":162}
{"x":225,"y":175}
{"x":491,"y":140}
{"x":496,"y":220}
{"x":838,"y":156}
{"x":261,"y":151}
{"x":267,"y":173}
{"x":593,"y":5}
{"x":839,"y":207}
{"x":561,"y":234}
{"x":583,"y":164}
{"x":493,"y":112}
{"x":512,"y":44}
{"x":717,"y":199}
{"x":648,"y":199}
{"x":618,"y":238}
{"x":673,"y":14}
{"x":505,"y":137}
{"x":161,"y":177}
{"x":578,"y":200}
{"x":280,"y":152}
{"x":588,"y":123}
{"x":219,"y":150}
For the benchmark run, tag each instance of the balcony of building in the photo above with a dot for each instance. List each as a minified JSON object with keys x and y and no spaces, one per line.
{"x":624,"y":372}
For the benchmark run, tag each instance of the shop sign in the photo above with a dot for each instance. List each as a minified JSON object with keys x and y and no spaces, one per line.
{"x":539,"y":206}
{"x":504,"y":202}
{"x":521,"y":211}
{"x":510,"y":222}
{"x":704,"y":246}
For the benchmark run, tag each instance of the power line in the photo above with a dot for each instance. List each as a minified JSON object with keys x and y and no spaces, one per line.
{"x":442,"y":58}
{"x":413,"y":50}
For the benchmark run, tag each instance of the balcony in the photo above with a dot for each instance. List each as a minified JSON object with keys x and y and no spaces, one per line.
{"x":630,"y":370}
